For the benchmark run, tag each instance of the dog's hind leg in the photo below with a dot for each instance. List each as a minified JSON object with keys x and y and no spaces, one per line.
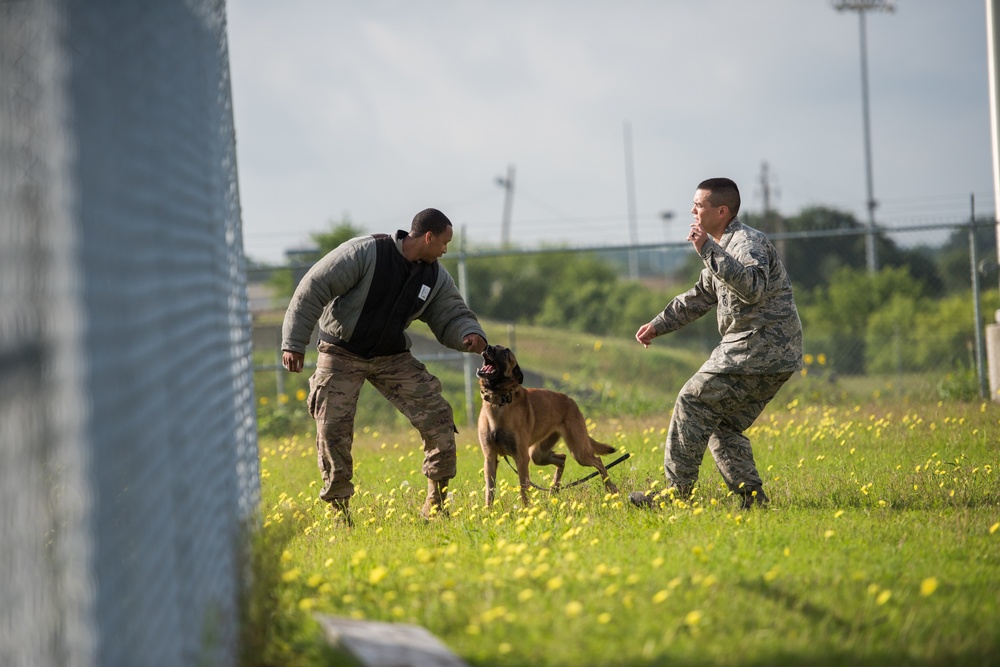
{"x":542,"y":455}
{"x":580,"y":444}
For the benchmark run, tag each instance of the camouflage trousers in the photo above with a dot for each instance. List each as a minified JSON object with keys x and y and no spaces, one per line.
{"x":405,"y":382}
{"x":713,"y":410}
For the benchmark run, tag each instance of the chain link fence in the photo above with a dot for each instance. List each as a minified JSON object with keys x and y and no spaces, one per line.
{"x":128,"y":460}
{"x":914,"y":328}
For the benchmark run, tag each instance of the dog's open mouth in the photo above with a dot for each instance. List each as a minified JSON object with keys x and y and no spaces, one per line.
{"x":488,"y":369}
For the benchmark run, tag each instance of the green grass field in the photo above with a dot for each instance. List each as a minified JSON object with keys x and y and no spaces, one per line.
{"x":881,"y":544}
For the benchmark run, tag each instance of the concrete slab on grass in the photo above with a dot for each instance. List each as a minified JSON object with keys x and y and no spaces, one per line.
{"x":376,"y":644}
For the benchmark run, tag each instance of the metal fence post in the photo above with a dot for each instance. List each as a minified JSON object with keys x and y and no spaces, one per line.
{"x":466,"y":358}
{"x":976,"y":301}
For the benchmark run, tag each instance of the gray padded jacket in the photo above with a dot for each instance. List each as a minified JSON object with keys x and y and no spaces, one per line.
{"x":334,"y":291}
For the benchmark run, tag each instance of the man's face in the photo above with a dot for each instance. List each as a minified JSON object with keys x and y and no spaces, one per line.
{"x":711,"y":218}
{"x":437,"y":245}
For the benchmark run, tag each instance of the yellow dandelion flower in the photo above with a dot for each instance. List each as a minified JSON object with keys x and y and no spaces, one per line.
{"x":504,"y":647}
{"x":377,"y":575}
{"x":301,"y":395}
{"x":597,"y":346}
{"x":291,"y":575}
{"x":883,"y":597}
{"x":821,"y":359}
{"x":315,"y":580}
{"x":994,"y":528}
{"x":555,"y":583}
{"x":525,"y":595}
{"x":472,"y":629}
{"x":828,"y":534}
{"x":807,"y":359}
{"x":305,"y":604}
{"x":283,"y":399}
{"x":604,"y":618}
{"x":661,"y":596}
{"x":448,"y":597}
{"x":574,"y":609}
{"x":263,"y":400}
{"x":928,"y":586}
{"x":692,"y":618}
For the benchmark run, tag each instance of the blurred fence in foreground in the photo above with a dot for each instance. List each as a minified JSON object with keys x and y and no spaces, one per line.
{"x":128,"y":461}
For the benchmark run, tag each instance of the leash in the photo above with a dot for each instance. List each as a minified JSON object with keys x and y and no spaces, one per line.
{"x":579,"y":481}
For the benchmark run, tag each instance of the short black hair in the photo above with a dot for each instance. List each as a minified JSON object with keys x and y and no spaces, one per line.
{"x":722,"y":192}
{"x":430,"y":220}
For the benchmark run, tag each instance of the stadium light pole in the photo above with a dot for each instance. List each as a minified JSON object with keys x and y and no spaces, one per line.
{"x":862,"y":6}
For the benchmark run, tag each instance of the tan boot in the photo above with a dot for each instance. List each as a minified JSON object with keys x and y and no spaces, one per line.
{"x":437,"y":492}
{"x":340,"y":508}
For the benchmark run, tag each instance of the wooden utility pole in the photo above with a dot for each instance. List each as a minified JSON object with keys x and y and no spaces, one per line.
{"x":508,"y":203}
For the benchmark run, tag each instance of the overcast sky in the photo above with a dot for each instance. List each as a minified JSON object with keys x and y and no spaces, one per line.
{"x":378,"y":109}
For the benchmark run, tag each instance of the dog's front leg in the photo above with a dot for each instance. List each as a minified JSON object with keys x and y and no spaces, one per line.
{"x":523,"y":474}
{"x":490,"y":475}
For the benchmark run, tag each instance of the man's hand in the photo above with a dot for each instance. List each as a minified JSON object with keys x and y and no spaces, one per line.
{"x":293,"y":361}
{"x":697,"y":236}
{"x":645,"y":334}
{"x":474,"y":343}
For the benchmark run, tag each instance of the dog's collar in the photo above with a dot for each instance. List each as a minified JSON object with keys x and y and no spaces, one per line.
{"x":497,"y":399}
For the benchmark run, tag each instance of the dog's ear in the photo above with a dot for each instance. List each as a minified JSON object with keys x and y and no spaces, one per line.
{"x":518,"y":374}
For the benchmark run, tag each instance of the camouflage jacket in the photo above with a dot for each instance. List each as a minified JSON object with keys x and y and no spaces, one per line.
{"x":759,"y":324}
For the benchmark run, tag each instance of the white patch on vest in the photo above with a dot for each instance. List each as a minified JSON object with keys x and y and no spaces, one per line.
{"x":424,"y":291}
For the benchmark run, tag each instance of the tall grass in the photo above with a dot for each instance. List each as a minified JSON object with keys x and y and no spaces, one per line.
{"x":881,"y":545}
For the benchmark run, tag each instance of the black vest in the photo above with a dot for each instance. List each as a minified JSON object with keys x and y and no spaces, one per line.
{"x":398,"y":290}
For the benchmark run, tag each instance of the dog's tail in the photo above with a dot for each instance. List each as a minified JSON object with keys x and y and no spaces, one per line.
{"x":600,"y":448}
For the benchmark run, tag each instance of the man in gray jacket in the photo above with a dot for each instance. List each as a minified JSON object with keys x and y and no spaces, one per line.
{"x":761,"y":346}
{"x":364,"y":294}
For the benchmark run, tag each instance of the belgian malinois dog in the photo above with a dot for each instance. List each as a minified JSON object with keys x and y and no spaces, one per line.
{"x":527,"y":424}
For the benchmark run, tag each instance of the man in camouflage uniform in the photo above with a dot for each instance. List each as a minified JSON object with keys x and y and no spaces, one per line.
{"x":364,"y":294}
{"x":761,"y":346}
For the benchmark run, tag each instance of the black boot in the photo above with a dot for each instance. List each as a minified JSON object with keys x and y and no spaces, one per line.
{"x":753,"y":496}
